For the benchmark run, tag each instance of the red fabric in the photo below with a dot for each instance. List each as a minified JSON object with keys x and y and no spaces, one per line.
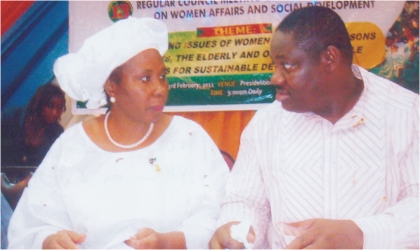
{"x":11,"y":11}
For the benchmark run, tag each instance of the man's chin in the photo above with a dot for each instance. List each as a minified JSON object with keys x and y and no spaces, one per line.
{"x":290,"y":107}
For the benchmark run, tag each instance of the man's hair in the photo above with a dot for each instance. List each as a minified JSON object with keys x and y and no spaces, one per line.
{"x":315,"y":28}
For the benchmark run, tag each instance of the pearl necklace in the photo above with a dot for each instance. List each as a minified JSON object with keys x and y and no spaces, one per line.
{"x":127,"y":146}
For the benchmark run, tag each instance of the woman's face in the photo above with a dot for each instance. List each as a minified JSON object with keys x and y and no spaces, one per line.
{"x":143,"y":89}
{"x":53,"y":110}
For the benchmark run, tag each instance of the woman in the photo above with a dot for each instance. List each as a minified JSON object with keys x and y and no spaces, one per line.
{"x":133,"y":178}
{"x":27,"y":136}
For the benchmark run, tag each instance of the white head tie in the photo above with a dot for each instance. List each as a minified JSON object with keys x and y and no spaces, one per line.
{"x":82,"y":75}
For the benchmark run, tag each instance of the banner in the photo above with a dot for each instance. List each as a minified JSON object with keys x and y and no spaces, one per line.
{"x":218,"y":56}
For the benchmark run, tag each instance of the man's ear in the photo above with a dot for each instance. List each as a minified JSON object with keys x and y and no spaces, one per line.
{"x":331,"y":58}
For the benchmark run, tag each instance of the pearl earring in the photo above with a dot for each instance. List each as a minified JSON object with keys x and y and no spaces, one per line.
{"x":112,"y":99}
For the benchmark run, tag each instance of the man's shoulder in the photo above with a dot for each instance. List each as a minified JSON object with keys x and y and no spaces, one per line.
{"x":269,"y":111}
{"x":269,"y":115}
{"x":394,"y":95}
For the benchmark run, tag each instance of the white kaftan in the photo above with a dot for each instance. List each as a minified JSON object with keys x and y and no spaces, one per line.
{"x":110,"y":196}
{"x":365,"y":167}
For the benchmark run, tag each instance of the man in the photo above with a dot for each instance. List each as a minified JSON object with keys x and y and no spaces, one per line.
{"x":333,"y":163}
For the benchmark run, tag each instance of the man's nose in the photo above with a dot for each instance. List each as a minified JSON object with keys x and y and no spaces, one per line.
{"x":277,"y":78}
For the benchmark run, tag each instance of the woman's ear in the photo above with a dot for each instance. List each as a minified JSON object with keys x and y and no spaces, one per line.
{"x":109,"y":88}
{"x":331,"y":58}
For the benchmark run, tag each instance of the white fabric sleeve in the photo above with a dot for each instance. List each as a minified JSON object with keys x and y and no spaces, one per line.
{"x":210,"y":174}
{"x":40,"y":211}
{"x":397,"y":227}
{"x":246,"y":198}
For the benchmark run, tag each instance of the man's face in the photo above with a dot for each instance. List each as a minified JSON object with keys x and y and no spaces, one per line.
{"x":297,"y":77}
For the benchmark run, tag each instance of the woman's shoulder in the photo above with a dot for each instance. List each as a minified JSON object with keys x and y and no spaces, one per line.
{"x":182,"y":123}
{"x":184,"y":129}
{"x":75,"y":131}
{"x":55,"y":129}
{"x":90,"y":125}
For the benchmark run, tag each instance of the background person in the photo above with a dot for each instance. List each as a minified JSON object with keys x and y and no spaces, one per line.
{"x":27,"y":134}
{"x":133,"y":178}
{"x":334,"y":161}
